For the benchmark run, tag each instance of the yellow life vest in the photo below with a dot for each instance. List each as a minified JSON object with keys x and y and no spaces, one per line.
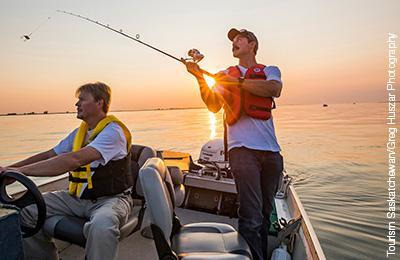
{"x":75,"y":188}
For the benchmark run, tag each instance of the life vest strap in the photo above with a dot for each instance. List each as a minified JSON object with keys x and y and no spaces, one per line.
{"x":77,"y":179}
{"x":83,"y":169}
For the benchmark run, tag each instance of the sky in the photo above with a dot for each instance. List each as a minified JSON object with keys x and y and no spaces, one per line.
{"x":327,"y":51}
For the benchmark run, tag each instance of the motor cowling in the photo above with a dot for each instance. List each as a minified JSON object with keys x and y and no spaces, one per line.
{"x":213,"y":152}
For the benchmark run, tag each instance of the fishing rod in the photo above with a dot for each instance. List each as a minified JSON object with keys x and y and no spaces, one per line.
{"x":194,"y":54}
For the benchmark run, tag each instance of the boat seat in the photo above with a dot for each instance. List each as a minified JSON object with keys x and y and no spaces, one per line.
{"x":70,"y":228}
{"x":198,"y":240}
{"x":177,"y":181}
{"x":205,"y":240}
{"x":179,"y":191}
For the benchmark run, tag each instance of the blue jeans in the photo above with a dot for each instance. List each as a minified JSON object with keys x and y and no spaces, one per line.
{"x":257,"y":175}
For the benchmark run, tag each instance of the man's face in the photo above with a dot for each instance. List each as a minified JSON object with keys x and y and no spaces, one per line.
{"x":241,"y":46}
{"x":87,"y":106}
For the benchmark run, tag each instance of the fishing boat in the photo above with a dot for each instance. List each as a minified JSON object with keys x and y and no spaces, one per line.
{"x":203,"y":191}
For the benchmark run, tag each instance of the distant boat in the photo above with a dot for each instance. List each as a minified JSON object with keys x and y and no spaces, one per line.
{"x":325,"y":105}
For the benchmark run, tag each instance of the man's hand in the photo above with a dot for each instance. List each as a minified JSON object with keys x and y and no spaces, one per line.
{"x":3,"y":170}
{"x":194,"y":69}
{"x":226,"y":80}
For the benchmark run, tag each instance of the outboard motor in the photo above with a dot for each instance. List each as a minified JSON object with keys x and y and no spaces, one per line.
{"x":212,"y":157}
{"x":209,"y":183}
{"x":213,"y":152}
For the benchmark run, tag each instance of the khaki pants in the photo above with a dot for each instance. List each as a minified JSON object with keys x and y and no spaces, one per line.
{"x":106,"y":215}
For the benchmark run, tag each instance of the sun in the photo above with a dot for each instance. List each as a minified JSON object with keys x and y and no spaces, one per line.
{"x":210,"y":81}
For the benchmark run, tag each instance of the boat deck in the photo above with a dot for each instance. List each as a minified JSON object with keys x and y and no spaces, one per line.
{"x":138,"y":247}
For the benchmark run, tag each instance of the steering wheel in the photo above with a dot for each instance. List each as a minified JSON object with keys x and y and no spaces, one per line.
{"x":31,"y":196}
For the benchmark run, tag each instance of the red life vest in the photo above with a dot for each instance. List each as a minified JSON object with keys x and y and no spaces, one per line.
{"x":238,"y":100}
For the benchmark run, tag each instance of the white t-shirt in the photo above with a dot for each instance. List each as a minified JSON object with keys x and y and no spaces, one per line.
{"x":250,"y":132}
{"x":110,"y":143}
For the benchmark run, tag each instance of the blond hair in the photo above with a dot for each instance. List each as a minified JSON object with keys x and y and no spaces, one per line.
{"x":99,"y":90}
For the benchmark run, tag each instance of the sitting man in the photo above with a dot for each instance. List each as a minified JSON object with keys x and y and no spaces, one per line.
{"x":97,"y":157}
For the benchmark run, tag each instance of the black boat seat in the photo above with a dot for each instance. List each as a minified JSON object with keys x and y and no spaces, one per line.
{"x":70,"y":228}
{"x":206,"y":240}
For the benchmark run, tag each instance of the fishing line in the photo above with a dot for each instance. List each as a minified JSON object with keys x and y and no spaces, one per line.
{"x":196,"y":56}
{"x":27,"y":37}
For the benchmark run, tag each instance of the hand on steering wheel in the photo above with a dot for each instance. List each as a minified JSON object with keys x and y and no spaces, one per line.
{"x":31,"y":196}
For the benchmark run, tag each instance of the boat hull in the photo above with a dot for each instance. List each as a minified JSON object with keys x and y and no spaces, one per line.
{"x":306,"y":246}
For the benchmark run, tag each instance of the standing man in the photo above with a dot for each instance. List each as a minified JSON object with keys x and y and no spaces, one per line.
{"x":246,"y":93}
{"x":97,"y":156}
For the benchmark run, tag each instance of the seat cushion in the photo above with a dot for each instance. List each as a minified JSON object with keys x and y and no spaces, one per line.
{"x":70,"y":229}
{"x":66,"y":228}
{"x":129,"y":226}
{"x":214,"y":256}
{"x":210,"y":241}
{"x":179,"y":195}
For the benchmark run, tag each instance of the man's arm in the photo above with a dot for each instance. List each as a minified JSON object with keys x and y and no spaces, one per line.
{"x":35,"y":158}
{"x":212,"y":99}
{"x":263,"y":88}
{"x":62,"y":163}
{"x":259,"y":87}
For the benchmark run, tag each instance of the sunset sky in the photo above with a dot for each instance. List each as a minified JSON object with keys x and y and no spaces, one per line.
{"x":328,"y":51}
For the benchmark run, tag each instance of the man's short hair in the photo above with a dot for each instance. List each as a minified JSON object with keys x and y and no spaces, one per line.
{"x":99,"y":90}
{"x":245,"y":33}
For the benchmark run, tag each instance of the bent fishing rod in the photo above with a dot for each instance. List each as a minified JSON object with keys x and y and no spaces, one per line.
{"x":194,"y":54}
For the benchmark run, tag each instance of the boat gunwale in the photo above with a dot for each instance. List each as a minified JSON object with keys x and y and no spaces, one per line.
{"x":309,"y":234}
{"x":41,"y":185}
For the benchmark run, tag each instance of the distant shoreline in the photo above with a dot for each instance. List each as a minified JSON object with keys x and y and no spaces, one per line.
{"x":158,"y":109}
{"x":121,"y":110}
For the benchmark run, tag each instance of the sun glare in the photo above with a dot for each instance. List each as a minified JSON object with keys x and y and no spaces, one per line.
{"x":210,"y":81}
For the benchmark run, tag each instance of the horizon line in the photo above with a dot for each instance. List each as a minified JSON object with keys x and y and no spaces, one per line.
{"x":46,"y":112}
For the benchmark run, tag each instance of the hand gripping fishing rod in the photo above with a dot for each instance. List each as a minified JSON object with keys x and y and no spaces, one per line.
{"x":195,"y":55}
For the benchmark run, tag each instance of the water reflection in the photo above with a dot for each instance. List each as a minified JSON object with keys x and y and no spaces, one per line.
{"x":335,"y":154}
{"x":213,"y":125}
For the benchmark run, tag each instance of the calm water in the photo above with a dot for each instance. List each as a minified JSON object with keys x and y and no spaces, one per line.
{"x":336,"y":155}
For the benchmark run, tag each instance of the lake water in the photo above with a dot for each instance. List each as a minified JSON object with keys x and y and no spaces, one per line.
{"x":336,"y":154}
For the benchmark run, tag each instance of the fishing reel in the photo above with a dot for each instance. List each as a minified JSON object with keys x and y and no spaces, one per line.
{"x":194,"y":56}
